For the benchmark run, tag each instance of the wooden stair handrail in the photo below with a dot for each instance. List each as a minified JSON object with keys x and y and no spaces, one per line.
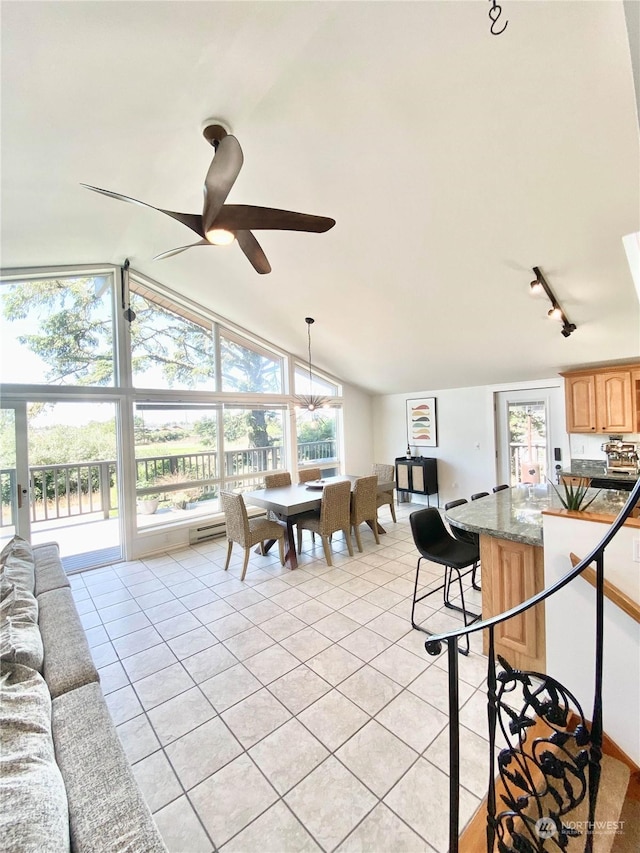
{"x":611,"y":591}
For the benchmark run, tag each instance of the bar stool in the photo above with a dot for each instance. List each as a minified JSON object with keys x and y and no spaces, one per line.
{"x":435,"y":544}
{"x":465,"y":536}
{"x":479,"y":495}
{"x":500,"y":488}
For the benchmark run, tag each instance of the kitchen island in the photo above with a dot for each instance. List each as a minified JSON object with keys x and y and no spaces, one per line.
{"x":509,"y":524}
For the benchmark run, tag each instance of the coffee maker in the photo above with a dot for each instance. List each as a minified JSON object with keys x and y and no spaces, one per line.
{"x":622,"y":456}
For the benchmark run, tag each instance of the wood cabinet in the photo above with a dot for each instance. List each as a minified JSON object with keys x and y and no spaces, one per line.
{"x":580,"y":393}
{"x":419,"y":476}
{"x":512,"y":572}
{"x":603,"y":400}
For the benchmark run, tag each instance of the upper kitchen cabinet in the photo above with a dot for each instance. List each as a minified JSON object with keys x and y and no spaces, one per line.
{"x":580,"y":394}
{"x":603,"y":400}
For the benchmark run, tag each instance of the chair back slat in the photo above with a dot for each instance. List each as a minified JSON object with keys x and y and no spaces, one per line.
{"x":384,"y":473}
{"x":363,"y":499}
{"x":277,"y":480}
{"x":236,"y":518}
{"x":335,"y":511}
{"x":309,"y":474}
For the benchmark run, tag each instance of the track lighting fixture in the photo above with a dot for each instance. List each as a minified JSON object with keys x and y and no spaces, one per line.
{"x":538,"y":285}
{"x":310,"y":402}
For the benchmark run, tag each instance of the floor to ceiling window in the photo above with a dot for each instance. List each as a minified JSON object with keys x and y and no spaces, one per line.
{"x":194,"y":405}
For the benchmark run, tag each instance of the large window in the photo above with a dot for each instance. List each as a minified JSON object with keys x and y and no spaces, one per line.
{"x":184,"y":454}
{"x":170,"y":347}
{"x":248,"y":369}
{"x":57,"y":331}
{"x":196,"y":405}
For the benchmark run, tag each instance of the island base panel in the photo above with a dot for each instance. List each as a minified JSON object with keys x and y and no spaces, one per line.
{"x":511,"y":573}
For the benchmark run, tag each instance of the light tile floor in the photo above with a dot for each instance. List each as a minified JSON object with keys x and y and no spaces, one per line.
{"x":297,"y":711}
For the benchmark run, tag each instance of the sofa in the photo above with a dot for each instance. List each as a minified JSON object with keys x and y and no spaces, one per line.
{"x":65,"y":782}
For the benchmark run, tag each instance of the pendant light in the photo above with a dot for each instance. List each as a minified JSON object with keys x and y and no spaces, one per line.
{"x":310,"y":402}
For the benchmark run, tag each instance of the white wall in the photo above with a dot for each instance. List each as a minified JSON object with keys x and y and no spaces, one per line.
{"x":571,"y":640}
{"x":357,"y":410}
{"x":466,"y":450}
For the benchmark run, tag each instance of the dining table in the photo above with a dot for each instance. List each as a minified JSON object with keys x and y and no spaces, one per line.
{"x":289,"y":502}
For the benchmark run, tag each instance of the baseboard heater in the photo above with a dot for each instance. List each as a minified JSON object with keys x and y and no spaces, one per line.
{"x":217,"y":529}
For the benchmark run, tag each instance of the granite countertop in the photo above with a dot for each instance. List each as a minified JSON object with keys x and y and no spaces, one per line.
{"x":598,"y":469}
{"x":516,"y":513}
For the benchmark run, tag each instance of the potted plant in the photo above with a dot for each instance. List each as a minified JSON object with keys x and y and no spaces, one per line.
{"x":147,"y":503}
{"x":180,"y":498}
{"x":574,"y":496}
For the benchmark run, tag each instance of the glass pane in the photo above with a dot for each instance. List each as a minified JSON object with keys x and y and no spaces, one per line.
{"x":247,"y":370}
{"x":176,"y":457}
{"x":74,"y":480}
{"x":8,"y":474}
{"x":317,"y":438}
{"x":253,"y":442}
{"x":170,"y":348}
{"x":317,"y":385}
{"x":527,"y":442}
{"x":178,"y":469}
{"x":57,"y":331}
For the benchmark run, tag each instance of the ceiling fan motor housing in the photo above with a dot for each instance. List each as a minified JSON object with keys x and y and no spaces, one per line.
{"x":214,"y":131}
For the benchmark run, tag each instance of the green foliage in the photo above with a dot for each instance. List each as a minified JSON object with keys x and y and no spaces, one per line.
{"x":74,"y":335}
{"x":63,"y":443}
{"x":315,"y":430}
{"x":522,"y":419}
{"x":574,"y":498}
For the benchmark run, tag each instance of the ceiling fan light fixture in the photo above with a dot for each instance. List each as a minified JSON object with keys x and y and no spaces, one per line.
{"x":220,"y":236}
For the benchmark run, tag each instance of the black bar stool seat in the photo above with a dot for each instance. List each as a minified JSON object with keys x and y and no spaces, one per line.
{"x":436,"y":544}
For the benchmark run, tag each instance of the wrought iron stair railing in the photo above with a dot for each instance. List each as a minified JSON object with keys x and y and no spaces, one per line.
{"x":567,"y":761}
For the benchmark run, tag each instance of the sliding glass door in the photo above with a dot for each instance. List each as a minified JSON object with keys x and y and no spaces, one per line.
{"x":14,"y":472}
{"x":60,"y":478}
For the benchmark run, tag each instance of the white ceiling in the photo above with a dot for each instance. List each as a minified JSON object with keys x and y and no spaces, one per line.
{"x":452,"y":160}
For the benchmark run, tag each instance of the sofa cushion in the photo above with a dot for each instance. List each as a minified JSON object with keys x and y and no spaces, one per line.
{"x":49,"y":572}
{"x":67,"y":660}
{"x":106,"y":808}
{"x":20,"y":640}
{"x":34,"y":814}
{"x":18,"y":563}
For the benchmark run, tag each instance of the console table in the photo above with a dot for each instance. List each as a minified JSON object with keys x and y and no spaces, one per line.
{"x":418,"y":476}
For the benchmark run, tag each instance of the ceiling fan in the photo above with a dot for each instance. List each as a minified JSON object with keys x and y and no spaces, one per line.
{"x":220,"y":223}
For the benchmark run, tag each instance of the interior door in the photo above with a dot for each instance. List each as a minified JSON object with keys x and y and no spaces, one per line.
{"x":529,"y":430}
{"x":14,"y":472}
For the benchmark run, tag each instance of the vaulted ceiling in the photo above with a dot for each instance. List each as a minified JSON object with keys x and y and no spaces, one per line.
{"x":452,"y":160}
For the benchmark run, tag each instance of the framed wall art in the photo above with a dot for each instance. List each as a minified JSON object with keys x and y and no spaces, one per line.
{"x":422,"y":428}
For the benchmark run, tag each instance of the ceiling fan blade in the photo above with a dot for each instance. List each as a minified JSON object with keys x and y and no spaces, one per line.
{"x":191,"y":220}
{"x":180,"y":249}
{"x":247,"y":216}
{"x":223,"y":171}
{"x":253,"y":251}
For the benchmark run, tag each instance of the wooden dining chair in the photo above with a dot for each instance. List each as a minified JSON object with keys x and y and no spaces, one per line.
{"x":308,"y":474}
{"x":364,"y":507}
{"x":385,"y":474}
{"x":246,"y":531}
{"x":334,"y":515}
